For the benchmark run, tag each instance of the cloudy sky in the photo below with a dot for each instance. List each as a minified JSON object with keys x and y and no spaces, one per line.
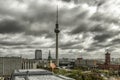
{"x":88,"y":27}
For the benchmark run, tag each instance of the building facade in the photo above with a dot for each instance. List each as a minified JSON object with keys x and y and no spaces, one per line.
{"x":107,"y":58}
{"x":34,"y":64}
{"x":29,"y":64}
{"x":9,"y":64}
{"x":91,"y":63}
{"x":107,"y":64}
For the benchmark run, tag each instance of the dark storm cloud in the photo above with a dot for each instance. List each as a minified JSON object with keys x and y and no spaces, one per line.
{"x":67,"y":0}
{"x":88,"y":27}
{"x":116,"y":41}
{"x":97,"y":28}
{"x":104,"y":18}
{"x":45,"y":33}
{"x":50,"y":35}
{"x":11,"y":26}
{"x":68,"y":44}
{"x":72,"y":17}
{"x":82,"y":15}
{"x":105,"y":44}
{"x":92,"y":49}
{"x":90,"y":2}
{"x":8,"y":43}
{"x":81,"y":28}
{"x":41,"y":12}
{"x":97,"y":46}
{"x":102,"y":37}
{"x":72,"y":47}
{"x":37,"y":33}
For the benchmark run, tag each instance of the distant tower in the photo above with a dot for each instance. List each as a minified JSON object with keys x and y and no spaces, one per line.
{"x":49,"y":57}
{"x":38,"y":54}
{"x":107,"y":58}
{"x":57,"y":32}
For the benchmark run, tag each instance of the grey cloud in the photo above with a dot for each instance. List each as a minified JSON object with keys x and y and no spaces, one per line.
{"x":90,"y":2}
{"x":11,"y":26}
{"x":35,"y":13}
{"x":101,"y":45}
{"x":73,"y":16}
{"x":82,"y":15}
{"x":104,"y":18}
{"x":50,"y":35}
{"x":46,"y":14}
{"x":102,"y":37}
{"x":98,"y":28}
{"x":47,"y":33}
{"x":67,"y":0}
{"x":37,"y":33}
{"x":71,"y":45}
{"x":88,"y":27}
{"x":9,"y":43}
{"x":81,"y":28}
{"x":42,"y":12}
{"x":68,"y":44}
{"x":116,"y":40}
{"x":98,"y":45}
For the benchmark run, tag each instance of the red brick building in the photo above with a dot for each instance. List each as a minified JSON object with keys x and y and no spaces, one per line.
{"x":107,"y":65}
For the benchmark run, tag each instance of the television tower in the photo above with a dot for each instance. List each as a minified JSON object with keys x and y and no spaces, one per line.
{"x":57,"y":32}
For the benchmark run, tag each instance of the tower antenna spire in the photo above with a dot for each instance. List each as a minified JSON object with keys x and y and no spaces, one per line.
{"x":57,"y":22}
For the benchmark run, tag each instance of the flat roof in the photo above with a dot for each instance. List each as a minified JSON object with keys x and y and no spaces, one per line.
{"x":21,"y":72}
{"x":37,"y":74}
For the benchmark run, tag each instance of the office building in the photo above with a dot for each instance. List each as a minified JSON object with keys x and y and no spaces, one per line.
{"x":38,"y":54}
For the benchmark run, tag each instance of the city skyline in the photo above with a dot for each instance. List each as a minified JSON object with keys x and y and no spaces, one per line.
{"x":27,"y":25}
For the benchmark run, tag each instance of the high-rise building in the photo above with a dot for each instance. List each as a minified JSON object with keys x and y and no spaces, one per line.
{"x":38,"y":54}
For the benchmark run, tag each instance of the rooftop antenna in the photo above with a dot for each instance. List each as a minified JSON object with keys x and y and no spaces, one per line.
{"x":57,"y":17}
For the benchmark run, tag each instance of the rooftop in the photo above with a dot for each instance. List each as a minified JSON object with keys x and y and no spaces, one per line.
{"x":37,"y":74}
